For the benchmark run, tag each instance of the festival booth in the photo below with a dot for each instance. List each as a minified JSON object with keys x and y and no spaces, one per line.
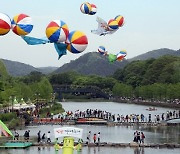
{"x":22,"y":104}
{"x":68,"y":134}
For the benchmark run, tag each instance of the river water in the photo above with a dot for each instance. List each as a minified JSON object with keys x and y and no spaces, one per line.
{"x":114,"y":134}
{"x":94,"y":150}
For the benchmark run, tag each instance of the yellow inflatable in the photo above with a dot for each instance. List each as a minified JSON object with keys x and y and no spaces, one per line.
{"x":68,"y":145}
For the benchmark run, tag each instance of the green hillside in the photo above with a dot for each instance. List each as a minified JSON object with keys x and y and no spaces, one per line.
{"x":3,"y":71}
{"x":165,"y":69}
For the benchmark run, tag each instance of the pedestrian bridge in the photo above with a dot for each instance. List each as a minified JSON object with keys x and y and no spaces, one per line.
{"x":92,"y":91}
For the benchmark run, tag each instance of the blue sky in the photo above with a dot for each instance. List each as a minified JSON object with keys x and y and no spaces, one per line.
{"x":149,"y":25}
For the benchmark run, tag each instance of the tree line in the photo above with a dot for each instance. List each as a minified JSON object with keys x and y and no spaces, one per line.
{"x":152,"y":78}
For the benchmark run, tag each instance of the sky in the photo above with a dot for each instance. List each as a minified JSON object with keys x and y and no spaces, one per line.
{"x":149,"y":25}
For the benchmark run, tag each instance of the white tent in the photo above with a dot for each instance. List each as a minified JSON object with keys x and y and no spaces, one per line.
{"x":22,"y":105}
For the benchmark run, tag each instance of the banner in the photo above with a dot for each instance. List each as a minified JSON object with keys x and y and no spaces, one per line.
{"x":68,"y":131}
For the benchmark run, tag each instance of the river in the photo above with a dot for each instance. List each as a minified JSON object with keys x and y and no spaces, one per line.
{"x":94,"y":150}
{"x":114,"y":134}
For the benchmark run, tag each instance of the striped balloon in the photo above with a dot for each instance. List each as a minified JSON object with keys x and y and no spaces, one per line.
{"x":85,"y":8}
{"x":57,"y":31}
{"x":102,"y":50}
{"x":121,"y":55}
{"x":5,"y":24}
{"x":76,"y":42}
{"x":93,"y":9}
{"x":113,"y":24}
{"x":22,"y":24}
{"x":120,"y":20}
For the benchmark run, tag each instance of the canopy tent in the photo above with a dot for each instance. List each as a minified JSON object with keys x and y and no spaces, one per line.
{"x":22,"y":105}
{"x":30,"y":104}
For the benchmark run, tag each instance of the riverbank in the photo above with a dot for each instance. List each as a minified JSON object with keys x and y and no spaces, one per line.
{"x":145,"y":102}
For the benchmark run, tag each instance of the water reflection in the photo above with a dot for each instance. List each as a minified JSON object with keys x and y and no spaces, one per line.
{"x":94,"y":150}
{"x":139,"y":150}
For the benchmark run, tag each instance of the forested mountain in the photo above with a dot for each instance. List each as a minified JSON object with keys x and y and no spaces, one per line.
{"x":156,"y":54}
{"x":17,"y":68}
{"x":47,"y":70}
{"x":92,"y":63}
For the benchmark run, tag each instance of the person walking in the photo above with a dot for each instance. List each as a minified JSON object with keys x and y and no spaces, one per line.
{"x":48,"y":137}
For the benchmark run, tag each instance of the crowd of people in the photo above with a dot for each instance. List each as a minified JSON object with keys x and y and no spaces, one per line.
{"x":120,"y":118}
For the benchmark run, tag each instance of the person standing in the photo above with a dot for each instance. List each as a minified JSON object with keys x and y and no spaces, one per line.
{"x":142,"y":137}
{"x":149,"y":118}
{"x":98,"y":136}
{"x":28,"y":135}
{"x":138,"y":137}
{"x":25,"y":135}
{"x":48,"y":137}
{"x":39,"y":136}
{"x":89,"y":137}
{"x":16,"y":135}
{"x":43,"y":138}
{"x":135,"y":136}
{"x":94,"y":138}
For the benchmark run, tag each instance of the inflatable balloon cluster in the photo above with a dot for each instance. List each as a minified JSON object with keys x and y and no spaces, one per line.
{"x":57,"y":32}
{"x":112,"y":57}
{"x":115,"y":23}
{"x":21,"y":24}
{"x":87,"y":8}
{"x":108,"y":27}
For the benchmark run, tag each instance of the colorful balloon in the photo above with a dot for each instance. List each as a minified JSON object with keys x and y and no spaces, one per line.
{"x":120,"y":20}
{"x":85,"y":8}
{"x":113,"y":25}
{"x":76,"y":42}
{"x":121,"y":55}
{"x":22,"y":24}
{"x":5,"y":24}
{"x":93,"y":9}
{"x":102,"y":50}
{"x":57,"y":31}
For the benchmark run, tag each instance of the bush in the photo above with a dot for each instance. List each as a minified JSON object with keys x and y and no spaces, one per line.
{"x":14,"y":123}
{"x":7,"y":116}
{"x":55,"y":109}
